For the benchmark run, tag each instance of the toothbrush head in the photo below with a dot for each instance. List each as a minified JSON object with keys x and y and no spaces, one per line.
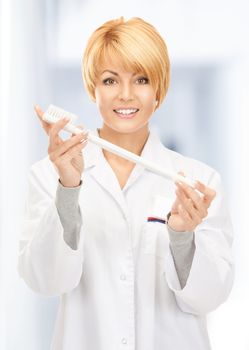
{"x":53,"y":114}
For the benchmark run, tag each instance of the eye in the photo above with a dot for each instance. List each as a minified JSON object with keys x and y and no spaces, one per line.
{"x":143,"y":80}
{"x":108,"y":81}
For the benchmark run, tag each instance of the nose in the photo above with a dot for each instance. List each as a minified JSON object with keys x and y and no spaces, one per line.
{"x":126,"y":92}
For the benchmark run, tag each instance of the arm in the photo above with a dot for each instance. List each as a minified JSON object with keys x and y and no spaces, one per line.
{"x":182,"y":248}
{"x":46,"y":262}
{"x":212,"y":272}
{"x":66,"y":202}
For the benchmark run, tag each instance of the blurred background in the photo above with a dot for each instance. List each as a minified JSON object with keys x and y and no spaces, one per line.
{"x":205,"y":116}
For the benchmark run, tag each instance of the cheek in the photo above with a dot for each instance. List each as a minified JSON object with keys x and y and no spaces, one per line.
{"x":102,"y":102}
{"x":149,"y":103}
{"x":100,"y":98}
{"x":148,"y":97}
{"x":103,"y":96}
{"x":98,"y":95}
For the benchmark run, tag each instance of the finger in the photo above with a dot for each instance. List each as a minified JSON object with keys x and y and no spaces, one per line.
{"x":54,"y":132}
{"x":39,"y":112}
{"x":82,"y":127}
{"x":174,"y":207}
{"x":58,"y":126}
{"x":46,"y":126}
{"x":74,"y":152}
{"x":180,"y":173}
{"x":196,"y":199}
{"x":185,"y":217}
{"x":190,"y":222}
{"x":65,"y":146}
{"x":188,"y":205}
{"x":209,"y":193}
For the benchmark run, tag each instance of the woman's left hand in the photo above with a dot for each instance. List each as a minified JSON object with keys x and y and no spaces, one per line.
{"x":190,"y":207}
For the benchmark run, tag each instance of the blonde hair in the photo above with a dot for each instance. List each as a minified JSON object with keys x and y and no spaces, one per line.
{"x":136,"y":45}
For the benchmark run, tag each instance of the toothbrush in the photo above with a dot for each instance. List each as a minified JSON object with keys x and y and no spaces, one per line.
{"x":54,"y":114}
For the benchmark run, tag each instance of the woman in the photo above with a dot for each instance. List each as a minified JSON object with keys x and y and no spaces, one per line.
{"x":137,"y":261}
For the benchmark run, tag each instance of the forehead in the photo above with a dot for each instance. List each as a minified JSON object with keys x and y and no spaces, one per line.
{"x":117,"y":65}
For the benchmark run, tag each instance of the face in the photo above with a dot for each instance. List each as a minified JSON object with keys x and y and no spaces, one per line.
{"x":125,"y":100}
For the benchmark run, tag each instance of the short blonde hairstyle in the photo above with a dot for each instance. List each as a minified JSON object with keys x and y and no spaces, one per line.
{"x":136,"y":45}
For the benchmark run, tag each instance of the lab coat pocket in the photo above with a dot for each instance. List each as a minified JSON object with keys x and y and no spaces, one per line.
{"x":154,"y":230}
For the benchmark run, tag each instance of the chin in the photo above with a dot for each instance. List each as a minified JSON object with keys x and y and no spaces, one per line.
{"x":128,"y":129}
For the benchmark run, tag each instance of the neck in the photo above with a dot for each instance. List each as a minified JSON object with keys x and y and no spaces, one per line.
{"x":133,"y":142}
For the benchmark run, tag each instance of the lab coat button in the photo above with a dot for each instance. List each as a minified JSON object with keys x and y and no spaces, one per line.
{"x":123,"y":277}
{"x":124,"y":341}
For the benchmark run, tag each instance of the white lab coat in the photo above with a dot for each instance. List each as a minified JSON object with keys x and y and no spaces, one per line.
{"x":120,"y":289}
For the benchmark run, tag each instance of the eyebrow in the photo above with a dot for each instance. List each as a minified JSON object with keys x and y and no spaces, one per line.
{"x":114,"y":73}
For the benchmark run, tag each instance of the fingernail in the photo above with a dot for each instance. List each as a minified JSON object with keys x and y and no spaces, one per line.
{"x":196,"y":183}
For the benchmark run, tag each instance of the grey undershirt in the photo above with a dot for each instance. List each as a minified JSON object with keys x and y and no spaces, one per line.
{"x":182,"y":244}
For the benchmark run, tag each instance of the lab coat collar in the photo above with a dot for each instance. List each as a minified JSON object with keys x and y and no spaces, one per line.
{"x":153,"y":150}
{"x":100,"y":169}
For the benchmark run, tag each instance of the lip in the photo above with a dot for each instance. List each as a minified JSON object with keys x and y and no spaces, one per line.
{"x":128,"y":116}
{"x":125,"y":108}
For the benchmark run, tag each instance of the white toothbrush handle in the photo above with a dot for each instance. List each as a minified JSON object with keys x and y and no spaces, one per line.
{"x":73,"y":129}
{"x":130,"y":156}
{"x":137,"y":159}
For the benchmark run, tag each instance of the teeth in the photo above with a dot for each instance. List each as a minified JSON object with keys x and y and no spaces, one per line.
{"x":125,"y":111}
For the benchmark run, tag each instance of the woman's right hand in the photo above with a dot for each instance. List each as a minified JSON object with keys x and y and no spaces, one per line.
{"x":65,"y":155}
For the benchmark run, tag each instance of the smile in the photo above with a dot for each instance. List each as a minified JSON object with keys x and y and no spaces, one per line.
{"x":127,"y":112}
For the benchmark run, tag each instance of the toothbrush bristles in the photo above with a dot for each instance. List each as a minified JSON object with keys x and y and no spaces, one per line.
{"x":57,"y":113}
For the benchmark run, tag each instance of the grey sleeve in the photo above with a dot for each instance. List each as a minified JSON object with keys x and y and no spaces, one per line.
{"x":182,"y":247}
{"x":66,"y":202}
